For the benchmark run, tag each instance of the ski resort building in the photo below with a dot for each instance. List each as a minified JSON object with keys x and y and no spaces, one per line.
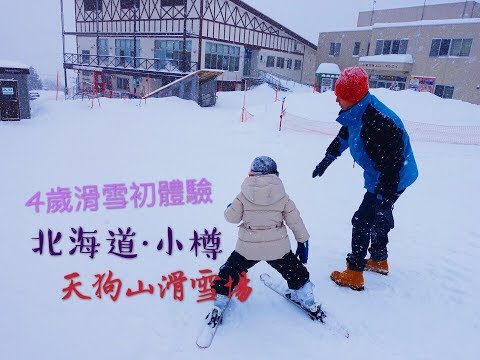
{"x":433,"y":48}
{"x":138,"y":46}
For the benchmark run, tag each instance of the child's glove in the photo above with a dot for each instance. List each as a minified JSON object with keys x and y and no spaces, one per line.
{"x":302,"y":252}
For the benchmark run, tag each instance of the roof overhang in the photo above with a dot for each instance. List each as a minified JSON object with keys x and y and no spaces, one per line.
{"x":392,"y":62}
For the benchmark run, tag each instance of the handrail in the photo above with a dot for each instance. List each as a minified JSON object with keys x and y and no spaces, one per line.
{"x":130,"y":62}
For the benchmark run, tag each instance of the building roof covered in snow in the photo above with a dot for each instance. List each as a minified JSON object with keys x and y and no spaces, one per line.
{"x":12,"y":65}
{"x":328,"y":68}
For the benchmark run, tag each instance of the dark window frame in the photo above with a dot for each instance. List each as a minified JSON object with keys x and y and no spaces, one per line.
{"x":280,"y":62}
{"x":222,"y":56}
{"x":129,"y":4}
{"x":297,"y":65}
{"x":457,"y":47}
{"x":335,"y":48}
{"x":86,"y":56}
{"x":444,"y":91}
{"x":356,"y":48}
{"x":172,"y":2}
{"x":270,"y":61}
{"x":89,"y":5}
{"x":123,"y":83}
{"x":387,"y":47}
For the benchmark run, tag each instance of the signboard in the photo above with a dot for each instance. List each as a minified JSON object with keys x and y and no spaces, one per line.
{"x":383,"y":66}
{"x":422,"y":83}
{"x":326,"y":85}
{"x":7,"y":91}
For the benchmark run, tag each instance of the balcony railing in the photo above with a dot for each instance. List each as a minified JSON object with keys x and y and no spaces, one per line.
{"x":130,"y":63}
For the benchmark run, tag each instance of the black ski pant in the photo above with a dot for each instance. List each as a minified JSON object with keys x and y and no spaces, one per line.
{"x":368,"y":230}
{"x":291,"y":269}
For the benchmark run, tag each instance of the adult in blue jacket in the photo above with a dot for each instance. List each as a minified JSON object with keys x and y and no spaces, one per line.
{"x":380,"y":144}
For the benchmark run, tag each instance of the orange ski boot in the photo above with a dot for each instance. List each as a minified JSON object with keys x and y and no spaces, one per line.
{"x":380,"y":267}
{"x":351,"y":278}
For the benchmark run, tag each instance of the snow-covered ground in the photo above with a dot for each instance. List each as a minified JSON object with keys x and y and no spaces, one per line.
{"x":426,"y":308}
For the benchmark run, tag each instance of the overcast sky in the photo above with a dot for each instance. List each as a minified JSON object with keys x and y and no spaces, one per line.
{"x":30,"y":30}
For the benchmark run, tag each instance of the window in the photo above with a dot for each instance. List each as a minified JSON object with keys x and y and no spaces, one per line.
{"x":356,"y":48}
{"x":270,"y":61}
{"x":122,"y":83}
{"x":386,"y":47}
{"x":173,"y":2}
{"x":399,"y":46}
{"x":298,"y":64}
{"x":387,"y":82}
{"x":450,"y":47}
{"x":280,"y":62}
{"x":168,"y":55}
{"x":129,"y":4}
{"x":222,"y":57}
{"x":85,"y":56}
{"x":92,"y":5}
{"x":125,"y":51}
{"x":102,"y":50}
{"x":335,"y":49}
{"x":289,"y":63}
{"x":444,"y":91}
{"x":444,"y":47}
{"x":466,"y":46}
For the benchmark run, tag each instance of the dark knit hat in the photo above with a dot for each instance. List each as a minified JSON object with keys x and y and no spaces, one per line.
{"x":352,"y":84}
{"x":263,"y":165}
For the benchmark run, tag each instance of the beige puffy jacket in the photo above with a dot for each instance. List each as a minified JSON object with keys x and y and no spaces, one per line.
{"x":263,"y":206}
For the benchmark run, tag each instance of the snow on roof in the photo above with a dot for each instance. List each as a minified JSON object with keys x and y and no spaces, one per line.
{"x":391,"y":58}
{"x":362,"y":28}
{"x":429,"y":22}
{"x":12,"y":65}
{"x":328,"y":68}
{"x":409,"y":23}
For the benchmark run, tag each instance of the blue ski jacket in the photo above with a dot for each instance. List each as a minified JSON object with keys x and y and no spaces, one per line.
{"x":379,"y":143}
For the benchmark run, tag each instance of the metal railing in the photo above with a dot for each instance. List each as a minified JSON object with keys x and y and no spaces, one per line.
{"x":130,"y":63}
{"x":261,"y":76}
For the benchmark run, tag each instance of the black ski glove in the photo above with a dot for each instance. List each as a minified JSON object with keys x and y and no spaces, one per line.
{"x":383,"y":215}
{"x":302,"y":252}
{"x":323,"y":165}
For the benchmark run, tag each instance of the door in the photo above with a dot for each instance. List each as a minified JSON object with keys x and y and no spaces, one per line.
{"x":9,"y":105}
{"x":247,"y":62}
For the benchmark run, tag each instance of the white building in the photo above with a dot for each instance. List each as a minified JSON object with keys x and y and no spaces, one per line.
{"x":432,"y":48}
{"x":138,"y":45}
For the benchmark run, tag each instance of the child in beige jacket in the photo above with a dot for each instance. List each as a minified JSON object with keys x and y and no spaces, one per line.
{"x":263,"y":207}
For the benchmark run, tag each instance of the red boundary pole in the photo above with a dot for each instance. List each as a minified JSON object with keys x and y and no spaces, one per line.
{"x":281,"y":115}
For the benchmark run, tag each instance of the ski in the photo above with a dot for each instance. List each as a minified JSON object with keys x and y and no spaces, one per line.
{"x":212,"y":322}
{"x":321,"y":316}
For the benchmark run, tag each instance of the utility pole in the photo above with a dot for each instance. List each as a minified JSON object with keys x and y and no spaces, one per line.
{"x":423,"y":9}
{"x":184,"y":49}
{"x":373,"y":10}
{"x":63,"y":46}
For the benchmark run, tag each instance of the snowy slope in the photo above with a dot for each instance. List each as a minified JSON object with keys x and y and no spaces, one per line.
{"x":426,"y":308}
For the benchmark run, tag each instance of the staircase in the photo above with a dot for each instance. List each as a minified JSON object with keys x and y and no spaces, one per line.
{"x":266,"y":78}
